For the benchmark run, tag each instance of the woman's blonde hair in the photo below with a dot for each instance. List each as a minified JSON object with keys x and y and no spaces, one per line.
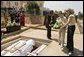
{"x":71,"y":11}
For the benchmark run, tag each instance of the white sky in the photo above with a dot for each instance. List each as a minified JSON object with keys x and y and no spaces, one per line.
{"x":62,"y":5}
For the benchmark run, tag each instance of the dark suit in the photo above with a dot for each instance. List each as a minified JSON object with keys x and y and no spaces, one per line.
{"x":48,"y":21}
{"x":17,"y":17}
{"x":53,"y":20}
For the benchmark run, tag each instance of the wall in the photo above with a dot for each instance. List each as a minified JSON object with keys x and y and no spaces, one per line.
{"x":34,"y":20}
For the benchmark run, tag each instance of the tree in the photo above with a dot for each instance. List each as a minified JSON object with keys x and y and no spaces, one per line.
{"x":32,"y":8}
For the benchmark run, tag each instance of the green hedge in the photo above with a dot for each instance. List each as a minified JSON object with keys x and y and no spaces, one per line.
{"x":12,"y":28}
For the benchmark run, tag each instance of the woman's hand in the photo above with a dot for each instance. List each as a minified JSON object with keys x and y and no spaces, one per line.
{"x":62,"y":27}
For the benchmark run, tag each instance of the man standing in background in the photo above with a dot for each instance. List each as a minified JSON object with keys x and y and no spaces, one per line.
{"x":48,"y":25}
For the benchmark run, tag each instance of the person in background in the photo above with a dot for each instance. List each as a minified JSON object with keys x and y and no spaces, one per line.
{"x":5,"y":17}
{"x":70,"y":32}
{"x":17,"y":17}
{"x":12,"y":15}
{"x":22,"y":18}
{"x":48,"y":25}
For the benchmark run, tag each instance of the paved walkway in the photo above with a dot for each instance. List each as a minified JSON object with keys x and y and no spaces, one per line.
{"x":57,"y":50}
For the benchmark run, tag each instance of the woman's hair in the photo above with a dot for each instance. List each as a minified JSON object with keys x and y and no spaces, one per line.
{"x":60,"y":12}
{"x":71,"y":11}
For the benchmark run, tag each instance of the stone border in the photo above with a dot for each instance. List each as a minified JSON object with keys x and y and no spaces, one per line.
{"x":19,"y":31}
{"x":5,"y":43}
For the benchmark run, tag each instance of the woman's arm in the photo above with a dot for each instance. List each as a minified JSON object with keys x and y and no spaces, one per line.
{"x":69,"y":20}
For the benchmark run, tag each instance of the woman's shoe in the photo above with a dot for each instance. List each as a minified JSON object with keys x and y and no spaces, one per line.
{"x":71,"y":53}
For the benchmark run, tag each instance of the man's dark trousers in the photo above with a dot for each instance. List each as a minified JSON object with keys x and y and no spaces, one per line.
{"x":49,"y":32}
